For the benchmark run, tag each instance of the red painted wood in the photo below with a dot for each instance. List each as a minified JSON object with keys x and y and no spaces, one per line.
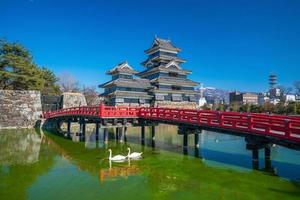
{"x":279,"y":126}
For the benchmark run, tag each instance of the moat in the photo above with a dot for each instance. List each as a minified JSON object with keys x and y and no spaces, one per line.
{"x":43,"y":165}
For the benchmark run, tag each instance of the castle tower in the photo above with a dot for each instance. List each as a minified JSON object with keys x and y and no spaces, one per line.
{"x":124,"y":89}
{"x":171,"y":87}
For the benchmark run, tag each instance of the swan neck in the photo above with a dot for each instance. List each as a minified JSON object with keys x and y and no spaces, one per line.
{"x":109,"y":154}
{"x":128,"y":151}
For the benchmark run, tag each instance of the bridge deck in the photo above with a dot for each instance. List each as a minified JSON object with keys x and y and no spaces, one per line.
{"x":278,"y":126}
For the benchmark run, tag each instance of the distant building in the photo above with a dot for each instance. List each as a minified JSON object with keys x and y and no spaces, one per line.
{"x":243,"y":98}
{"x":289,"y":98}
{"x":124,"y":89}
{"x":263,"y":98}
{"x":171,"y":87}
{"x":274,"y":93}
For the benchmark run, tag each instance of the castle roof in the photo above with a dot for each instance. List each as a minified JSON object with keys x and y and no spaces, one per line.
{"x":132,"y":83}
{"x":123,"y":67}
{"x":174,"y":81}
{"x":172,"y":66}
{"x":159,"y":43}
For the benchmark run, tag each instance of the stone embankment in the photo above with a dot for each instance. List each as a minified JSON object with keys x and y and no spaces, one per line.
{"x":19,"y":109}
{"x":23,"y":109}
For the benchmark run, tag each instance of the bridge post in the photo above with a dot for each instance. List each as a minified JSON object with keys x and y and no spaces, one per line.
{"x":153,"y":132}
{"x":83,"y":130}
{"x":69,"y":129}
{"x":105,"y":135}
{"x":197,"y":144}
{"x":80,"y":129}
{"x":185,"y":143}
{"x":116,"y":131}
{"x":97,"y":131}
{"x":254,"y":144}
{"x":121,"y":133}
{"x":197,"y":140}
{"x":255,"y":159}
{"x":268,"y":152}
{"x":268,"y":166}
{"x":143,"y":135}
{"x":125,"y":133}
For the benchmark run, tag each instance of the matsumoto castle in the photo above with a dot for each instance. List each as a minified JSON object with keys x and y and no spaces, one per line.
{"x":163,"y":82}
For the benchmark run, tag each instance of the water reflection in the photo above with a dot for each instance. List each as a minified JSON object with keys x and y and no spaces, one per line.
{"x":81,"y":170}
{"x":19,"y":148}
{"x":223,"y":149}
{"x":118,"y":171}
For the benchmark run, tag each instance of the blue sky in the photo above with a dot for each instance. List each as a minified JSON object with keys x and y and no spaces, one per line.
{"x":228,"y":44}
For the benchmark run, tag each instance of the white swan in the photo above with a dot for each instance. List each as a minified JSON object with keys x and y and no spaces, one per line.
{"x":134,"y":154}
{"x":116,"y":157}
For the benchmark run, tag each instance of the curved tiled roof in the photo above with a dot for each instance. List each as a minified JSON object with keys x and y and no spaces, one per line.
{"x":159,"y":43}
{"x":123,"y":67}
{"x":133,"y":83}
{"x":174,"y":81}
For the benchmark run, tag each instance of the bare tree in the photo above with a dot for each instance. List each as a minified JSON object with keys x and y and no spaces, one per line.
{"x":91,"y":95}
{"x":285,"y":90}
{"x":68,"y":83}
{"x":297,"y":87}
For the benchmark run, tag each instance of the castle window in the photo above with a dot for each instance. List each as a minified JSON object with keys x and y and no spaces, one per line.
{"x":176,"y":97}
{"x":174,"y":87}
{"x":173,"y":74}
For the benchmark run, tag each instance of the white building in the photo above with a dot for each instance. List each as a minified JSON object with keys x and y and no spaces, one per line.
{"x":289,"y":98}
{"x":263,"y":98}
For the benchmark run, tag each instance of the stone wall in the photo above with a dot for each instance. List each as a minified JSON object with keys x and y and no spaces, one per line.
{"x":73,"y":100}
{"x":172,"y":104}
{"x":19,"y":109}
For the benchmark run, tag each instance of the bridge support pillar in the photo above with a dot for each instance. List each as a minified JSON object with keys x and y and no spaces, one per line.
{"x":105,"y":135}
{"x":116,"y":130}
{"x":83,"y":130}
{"x":97,"y":131}
{"x":153,"y":132}
{"x":197,"y":140}
{"x":185,"y":144}
{"x":268,"y":165}
{"x":125,"y":133}
{"x":255,"y":159}
{"x":197,"y":145}
{"x":121,"y":133}
{"x":254,"y":144}
{"x":268,"y":152}
{"x":143,"y":135}
{"x":69,"y":129}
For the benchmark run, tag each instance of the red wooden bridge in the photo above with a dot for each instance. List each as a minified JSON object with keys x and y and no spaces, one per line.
{"x":271,"y":126}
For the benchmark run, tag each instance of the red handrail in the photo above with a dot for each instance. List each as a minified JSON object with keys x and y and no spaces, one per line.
{"x":282,"y":127}
{"x":101,"y":111}
{"x":279,"y":126}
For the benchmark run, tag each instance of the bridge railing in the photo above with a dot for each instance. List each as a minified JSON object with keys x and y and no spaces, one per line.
{"x":279,"y":126}
{"x":271,"y":125}
{"x":83,"y":110}
{"x":97,"y":111}
{"x":118,"y":111}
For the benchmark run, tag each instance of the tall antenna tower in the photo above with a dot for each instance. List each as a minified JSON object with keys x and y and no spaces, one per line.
{"x":201,"y":90}
{"x":272,"y":81}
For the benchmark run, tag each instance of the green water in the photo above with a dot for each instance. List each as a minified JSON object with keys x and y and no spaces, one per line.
{"x":46,"y":166}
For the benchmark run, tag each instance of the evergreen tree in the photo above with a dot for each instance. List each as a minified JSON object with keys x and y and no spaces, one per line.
{"x":19,"y":72}
{"x":50,"y":86}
